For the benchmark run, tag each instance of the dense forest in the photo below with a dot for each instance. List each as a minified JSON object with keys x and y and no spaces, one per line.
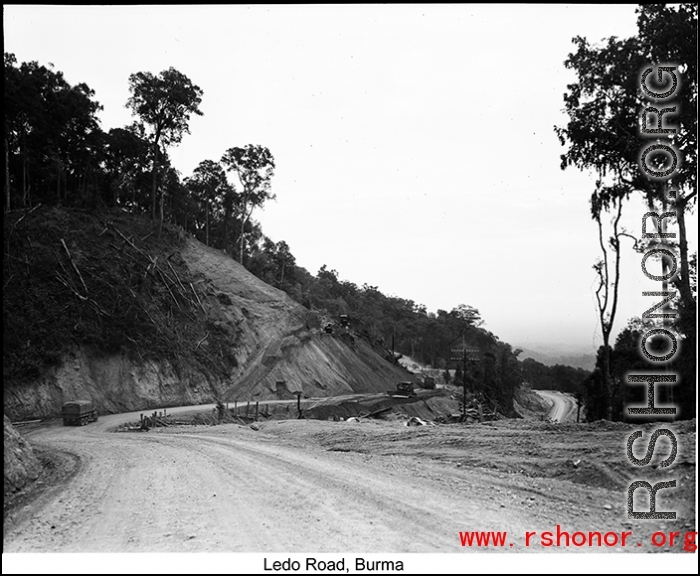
{"x":557,"y":377}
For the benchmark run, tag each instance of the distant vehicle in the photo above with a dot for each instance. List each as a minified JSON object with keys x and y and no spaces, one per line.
{"x":78,"y":413}
{"x":403,"y":390}
{"x":429,"y":382}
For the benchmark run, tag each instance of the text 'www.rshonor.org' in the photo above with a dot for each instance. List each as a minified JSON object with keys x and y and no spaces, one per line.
{"x":560,"y":538}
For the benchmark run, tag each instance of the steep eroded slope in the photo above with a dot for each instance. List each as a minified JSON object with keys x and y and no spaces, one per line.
{"x":103,"y":307}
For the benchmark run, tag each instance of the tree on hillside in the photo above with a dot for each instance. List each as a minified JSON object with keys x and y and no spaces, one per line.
{"x":605,"y":108}
{"x":284,"y":261}
{"x":468,"y":315}
{"x":53,"y":142}
{"x":208,"y":185}
{"x":127,"y":165}
{"x":275,"y":264}
{"x":165,"y":103}
{"x":254,"y":167}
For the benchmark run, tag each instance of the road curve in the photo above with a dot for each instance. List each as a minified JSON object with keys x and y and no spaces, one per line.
{"x":232,"y":489}
{"x":563,"y":405}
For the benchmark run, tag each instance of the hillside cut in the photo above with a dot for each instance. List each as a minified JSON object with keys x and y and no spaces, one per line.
{"x":104,"y":308}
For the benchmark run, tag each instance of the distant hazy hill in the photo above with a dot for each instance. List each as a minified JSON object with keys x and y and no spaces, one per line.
{"x":551,"y":358}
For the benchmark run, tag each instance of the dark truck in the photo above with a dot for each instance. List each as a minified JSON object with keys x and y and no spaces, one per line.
{"x":403,"y":390}
{"x":429,"y":382}
{"x":78,"y":413}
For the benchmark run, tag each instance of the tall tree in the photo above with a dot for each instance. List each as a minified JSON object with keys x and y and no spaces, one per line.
{"x":165,"y":103}
{"x":254,"y":167}
{"x":669,"y":34}
{"x":208,"y":185}
{"x":127,"y":164}
{"x":605,"y":106}
{"x":284,"y":262}
{"x":608,"y":291}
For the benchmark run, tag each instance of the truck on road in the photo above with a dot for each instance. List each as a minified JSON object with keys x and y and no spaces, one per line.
{"x":78,"y":413}
{"x":429,"y":382}
{"x":403,"y":390}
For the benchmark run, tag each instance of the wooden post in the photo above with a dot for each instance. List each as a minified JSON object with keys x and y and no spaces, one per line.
{"x":256,"y":411}
{"x":464,"y":382}
{"x":235,"y":408}
{"x":298,"y":395}
{"x":247,"y":408}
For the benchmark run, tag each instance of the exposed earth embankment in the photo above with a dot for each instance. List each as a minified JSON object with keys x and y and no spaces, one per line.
{"x":105,"y":308}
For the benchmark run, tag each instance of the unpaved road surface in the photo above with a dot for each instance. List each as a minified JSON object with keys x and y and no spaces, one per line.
{"x":370,"y":486}
{"x":563,"y":405}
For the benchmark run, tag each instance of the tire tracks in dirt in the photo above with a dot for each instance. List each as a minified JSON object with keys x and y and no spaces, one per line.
{"x":228,"y":488}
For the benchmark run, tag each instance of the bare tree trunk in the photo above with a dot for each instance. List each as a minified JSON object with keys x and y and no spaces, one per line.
{"x":115,"y":187}
{"x":162,"y":201}
{"x":24,"y":182}
{"x":606,"y":298}
{"x":206,"y":235}
{"x":7,"y":175}
{"x":685,"y":290}
{"x":245,"y":215}
{"x":687,"y":321}
{"x":225,"y":243}
{"x":244,"y":219}
{"x":58,"y":187}
{"x":25,"y":192}
{"x":155,"y":174}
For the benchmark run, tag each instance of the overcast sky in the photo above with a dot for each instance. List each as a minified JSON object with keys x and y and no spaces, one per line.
{"x":414,"y":144}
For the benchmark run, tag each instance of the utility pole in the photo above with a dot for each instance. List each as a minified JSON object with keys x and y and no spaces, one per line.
{"x":464,"y":353}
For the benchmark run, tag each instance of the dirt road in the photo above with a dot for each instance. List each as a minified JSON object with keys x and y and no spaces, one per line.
{"x":299,"y":486}
{"x":235,"y":490}
{"x":563,"y":406}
